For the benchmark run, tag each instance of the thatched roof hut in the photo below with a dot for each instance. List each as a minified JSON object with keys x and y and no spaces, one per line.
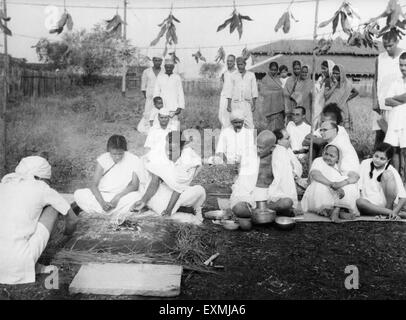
{"x":358,"y":62}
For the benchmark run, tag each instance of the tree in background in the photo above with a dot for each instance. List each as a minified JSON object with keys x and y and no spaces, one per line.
{"x":210,"y":70}
{"x":91,"y":53}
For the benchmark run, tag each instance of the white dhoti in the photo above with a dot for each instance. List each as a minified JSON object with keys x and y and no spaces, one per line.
{"x":224,"y":115}
{"x":86,"y":200}
{"x":245,"y":106}
{"x":193,"y":196}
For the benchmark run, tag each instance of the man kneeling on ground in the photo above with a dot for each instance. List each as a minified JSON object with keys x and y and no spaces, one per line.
{"x":28,"y":213}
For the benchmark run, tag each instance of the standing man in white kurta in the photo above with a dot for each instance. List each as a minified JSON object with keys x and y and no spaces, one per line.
{"x":387,"y":71}
{"x":168,"y":86}
{"x":148,"y":80}
{"x":242,"y":92}
{"x":224,"y":115}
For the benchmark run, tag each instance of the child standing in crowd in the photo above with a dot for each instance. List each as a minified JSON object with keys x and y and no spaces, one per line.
{"x":158,"y":105}
{"x":396,"y":131}
{"x":382,"y":190}
{"x":283,"y":74}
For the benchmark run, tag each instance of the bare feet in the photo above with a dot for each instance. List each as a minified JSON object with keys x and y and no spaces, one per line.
{"x":324,"y":213}
{"x":335,"y":215}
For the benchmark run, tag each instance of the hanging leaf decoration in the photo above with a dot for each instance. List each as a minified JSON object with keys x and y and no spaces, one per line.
{"x":365,"y":38}
{"x":3,"y":27}
{"x":323,"y":46}
{"x":346,"y":14}
{"x":235,"y":22}
{"x":221,"y":55}
{"x":198,"y":56}
{"x":115,"y":25}
{"x":65,"y":20}
{"x":284,"y":22}
{"x":167,"y":27}
{"x":393,"y":13}
{"x":174,"y":57}
{"x":246,"y":54}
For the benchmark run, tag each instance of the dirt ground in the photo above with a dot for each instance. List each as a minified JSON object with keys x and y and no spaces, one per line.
{"x":307,"y":262}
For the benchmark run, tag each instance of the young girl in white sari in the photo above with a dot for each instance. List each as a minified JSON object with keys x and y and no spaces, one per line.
{"x":116,"y":182}
{"x":322,"y":196}
{"x":382,"y":190}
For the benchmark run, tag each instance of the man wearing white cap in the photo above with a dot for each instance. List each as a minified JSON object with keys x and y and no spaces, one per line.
{"x":242,"y":92}
{"x":28,"y":212}
{"x":235,"y":141}
{"x":148,"y":80}
{"x":156,"y":138}
{"x":169,"y":86}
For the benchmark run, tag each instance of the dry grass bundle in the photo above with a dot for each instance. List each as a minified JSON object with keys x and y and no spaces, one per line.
{"x":194,"y":244}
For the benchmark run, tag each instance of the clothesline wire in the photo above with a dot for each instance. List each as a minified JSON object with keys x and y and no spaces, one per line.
{"x":163,"y":8}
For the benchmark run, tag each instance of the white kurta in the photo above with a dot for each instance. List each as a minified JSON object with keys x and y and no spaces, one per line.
{"x":396,"y":116}
{"x":285,"y":166}
{"x":170,"y":89}
{"x":242,"y":90}
{"x":236,"y":145}
{"x":297,"y":134}
{"x":371,"y":189}
{"x":112,"y":183}
{"x":22,"y":238}
{"x":388,"y":72}
{"x":148,"y":80}
{"x":156,"y":138}
{"x":224,"y":115}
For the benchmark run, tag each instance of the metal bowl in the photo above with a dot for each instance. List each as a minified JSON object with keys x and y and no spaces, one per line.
{"x":230,"y":224}
{"x":285,"y":223}
{"x":245,"y":223}
{"x":216,"y":214}
{"x":263,"y":216}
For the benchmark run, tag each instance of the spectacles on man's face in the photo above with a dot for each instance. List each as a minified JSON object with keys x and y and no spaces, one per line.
{"x":324,"y":130}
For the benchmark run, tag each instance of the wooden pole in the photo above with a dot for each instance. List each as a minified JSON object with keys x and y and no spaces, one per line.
{"x":316,"y":18}
{"x":123,"y":81}
{"x":3,"y":119}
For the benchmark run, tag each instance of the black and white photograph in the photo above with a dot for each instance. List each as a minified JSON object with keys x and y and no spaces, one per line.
{"x":220,"y":151}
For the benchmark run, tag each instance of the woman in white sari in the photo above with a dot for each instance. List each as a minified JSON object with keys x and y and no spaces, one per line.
{"x":324,"y":196}
{"x":116,"y":183}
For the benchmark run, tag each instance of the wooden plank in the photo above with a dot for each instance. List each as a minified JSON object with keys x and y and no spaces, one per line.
{"x":128,"y":279}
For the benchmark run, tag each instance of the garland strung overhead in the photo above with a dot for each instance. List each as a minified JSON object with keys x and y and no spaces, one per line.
{"x":393,"y":13}
{"x":65,"y":20}
{"x":174,"y":57}
{"x":284,"y":20}
{"x":115,"y":24}
{"x":198,"y":56}
{"x":346,"y":14}
{"x":167,"y":27}
{"x":235,"y":22}
{"x":3,"y":27}
{"x":221,"y":55}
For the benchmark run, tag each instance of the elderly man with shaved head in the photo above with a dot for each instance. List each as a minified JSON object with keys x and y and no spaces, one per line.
{"x":255,"y":177}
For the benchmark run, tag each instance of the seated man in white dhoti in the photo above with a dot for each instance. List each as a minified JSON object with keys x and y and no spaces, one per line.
{"x":254,"y":177}
{"x":170,"y":176}
{"x":117,"y":182}
{"x":382,"y":190}
{"x":324,"y":195}
{"x":28,"y":213}
{"x":234,"y":141}
{"x":286,"y":169}
{"x":298,"y":129}
{"x":156,"y":137}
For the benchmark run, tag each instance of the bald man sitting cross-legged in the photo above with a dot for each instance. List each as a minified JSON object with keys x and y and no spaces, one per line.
{"x":255,"y":177}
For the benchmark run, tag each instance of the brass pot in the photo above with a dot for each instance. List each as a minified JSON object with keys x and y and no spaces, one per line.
{"x":263,"y":216}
